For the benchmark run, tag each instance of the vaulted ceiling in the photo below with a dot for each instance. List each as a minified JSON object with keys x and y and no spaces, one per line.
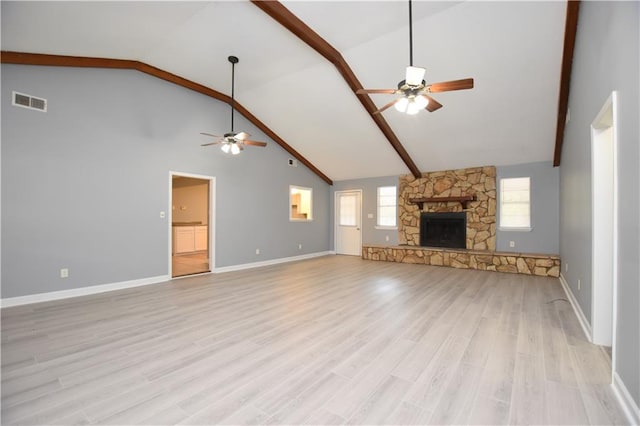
{"x":513,"y":50}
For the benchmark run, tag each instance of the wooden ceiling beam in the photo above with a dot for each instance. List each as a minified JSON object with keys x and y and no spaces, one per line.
{"x":570,"y":30}
{"x":81,"y":61}
{"x":294,"y":24}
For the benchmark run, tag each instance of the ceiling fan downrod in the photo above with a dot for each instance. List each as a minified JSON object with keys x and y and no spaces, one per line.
{"x":234,"y":60}
{"x":410,"y":36}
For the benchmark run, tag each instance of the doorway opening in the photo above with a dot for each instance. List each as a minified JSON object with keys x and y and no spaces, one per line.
{"x":604,"y":212}
{"x":191,"y":234}
{"x":348,"y":219}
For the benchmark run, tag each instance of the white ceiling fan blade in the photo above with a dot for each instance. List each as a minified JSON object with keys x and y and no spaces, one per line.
{"x":209,"y":134}
{"x":414,"y":75}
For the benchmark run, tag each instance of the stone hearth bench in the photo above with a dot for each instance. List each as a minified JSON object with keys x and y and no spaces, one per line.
{"x":544,"y":265}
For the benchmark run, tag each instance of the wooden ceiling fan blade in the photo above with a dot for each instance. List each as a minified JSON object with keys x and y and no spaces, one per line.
{"x":433,"y":105}
{"x":390,"y":104}
{"x":382,"y":91}
{"x":209,"y":134}
{"x":254,"y":143}
{"x":447,"y":86}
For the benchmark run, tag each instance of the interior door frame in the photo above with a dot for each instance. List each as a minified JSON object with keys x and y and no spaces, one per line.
{"x":336,"y":221}
{"x":211,"y":219}
{"x":606,"y":119}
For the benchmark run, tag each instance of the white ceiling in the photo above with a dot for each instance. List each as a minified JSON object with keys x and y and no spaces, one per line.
{"x":513,"y":51}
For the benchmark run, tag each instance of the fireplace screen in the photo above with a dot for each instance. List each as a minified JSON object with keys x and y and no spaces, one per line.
{"x":443,"y":230}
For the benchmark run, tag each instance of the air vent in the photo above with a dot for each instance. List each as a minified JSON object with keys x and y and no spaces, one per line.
{"x":28,"y":101}
{"x":293,"y":162}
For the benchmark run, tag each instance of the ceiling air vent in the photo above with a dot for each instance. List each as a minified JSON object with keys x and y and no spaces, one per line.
{"x":28,"y":101}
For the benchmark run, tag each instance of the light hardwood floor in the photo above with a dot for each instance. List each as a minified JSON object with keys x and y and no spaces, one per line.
{"x":330,"y":340}
{"x":187,"y":264}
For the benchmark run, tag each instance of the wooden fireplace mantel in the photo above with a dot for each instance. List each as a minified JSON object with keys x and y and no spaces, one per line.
{"x":462,"y":199}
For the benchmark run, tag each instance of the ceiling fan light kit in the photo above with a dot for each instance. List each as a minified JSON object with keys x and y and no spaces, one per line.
{"x":415,"y":76}
{"x":233,"y":142}
{"x":414,"y":89}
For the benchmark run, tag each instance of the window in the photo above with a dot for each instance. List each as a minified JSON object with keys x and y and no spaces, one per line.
{"x":387,"y":205}
{"x":300,"y":203}
{"x":515,"y":205}
{"x":347,"y":210}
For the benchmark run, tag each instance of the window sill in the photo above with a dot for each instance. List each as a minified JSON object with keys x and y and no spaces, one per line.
{"x":386,"y":228}
{"x":528,"y":229}
{"x":300,"y":220}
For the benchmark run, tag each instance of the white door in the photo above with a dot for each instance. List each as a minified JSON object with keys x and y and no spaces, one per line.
{"x":348,"y":220}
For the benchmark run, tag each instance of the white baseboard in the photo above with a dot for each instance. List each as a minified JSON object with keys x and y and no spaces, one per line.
{"x":271,"y":262}
{"x":84,"y":291}
{"x":629,"y":406}
{"x":582,"y":319}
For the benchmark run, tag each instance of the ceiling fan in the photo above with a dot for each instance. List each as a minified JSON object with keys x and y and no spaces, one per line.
{"x":233,"y":142}
{"x":414,"y":90}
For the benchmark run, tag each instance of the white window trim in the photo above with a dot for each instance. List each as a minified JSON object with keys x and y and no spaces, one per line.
{"x":385,"y":227}
{"x":523,"y":229}
{"x":513,"y":228}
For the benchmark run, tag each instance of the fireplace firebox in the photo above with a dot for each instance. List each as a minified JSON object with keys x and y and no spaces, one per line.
{"x":443,"y":229}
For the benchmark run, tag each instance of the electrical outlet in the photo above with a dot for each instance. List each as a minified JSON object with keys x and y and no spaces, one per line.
{"x":64,"y":273}
{"x":386,"y":238}
{"x":512,"y":243}
{"x":578,"y":284}
{"x":162,"y":215}
{"x":566,"y":267}
{"x":299,"y":246}
{"x":257,"y":251}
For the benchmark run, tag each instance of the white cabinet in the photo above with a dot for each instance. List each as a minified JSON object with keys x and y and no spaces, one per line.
{"x":201,"y":237}
{"x":187,"y":239}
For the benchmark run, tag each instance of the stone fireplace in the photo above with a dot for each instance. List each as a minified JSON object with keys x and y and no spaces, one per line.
{"x":478,"y":184}
{"x":467,"y":195}
{"x":443,"y":230}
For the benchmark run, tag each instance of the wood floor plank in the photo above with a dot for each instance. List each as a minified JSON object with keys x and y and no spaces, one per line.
{"x":409,"y":414}
{"x":458,"y":397}
{"x":331,"y":340}
{"x":528,"y":402}
{"x":498,"y":374}
{"x":381,"y":404}
{"x":565,"y":405}
{"x":431,"y":384}
{"x":347,"y":400}
{"x":299,"y":409}
{"x":488,"y":411}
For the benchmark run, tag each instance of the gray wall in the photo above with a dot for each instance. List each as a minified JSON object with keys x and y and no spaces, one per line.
{"x":83,"y":185}
{"x":369,"y":187}
{"x":545,"y":209}
{"x":606,"y":59}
